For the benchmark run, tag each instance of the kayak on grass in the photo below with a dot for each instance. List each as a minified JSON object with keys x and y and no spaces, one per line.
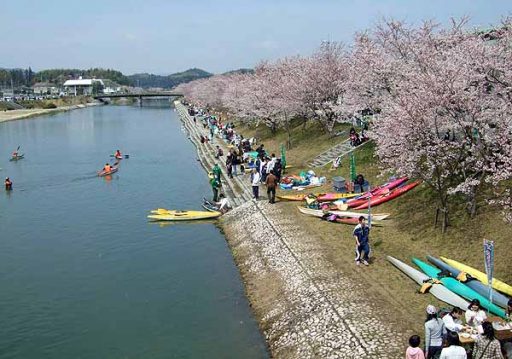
{"x":320,"y":213}
{"x":437,"y":290}
{"x":377,"y":191}
{"x":458,"y":288}
{"x":482,"y":277}
{"x":162,"y":214}
{"x":473,"y":283}
{"x":340,"y":219}
{"x":104,"y":173}
{"x":375,"y":201}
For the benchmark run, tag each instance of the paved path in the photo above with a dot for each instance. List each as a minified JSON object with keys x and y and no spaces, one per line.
{"x":320,"y":312}
{"x":341,"y":149}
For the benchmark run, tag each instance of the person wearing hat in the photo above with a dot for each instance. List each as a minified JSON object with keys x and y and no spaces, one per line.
{"x":8,"y":184}
{"x":434,"y":332}
{"x":475,"y":315}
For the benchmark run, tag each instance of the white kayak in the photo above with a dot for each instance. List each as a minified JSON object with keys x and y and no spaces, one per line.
{"x":320,"y":213}
{"x":437,"y":290}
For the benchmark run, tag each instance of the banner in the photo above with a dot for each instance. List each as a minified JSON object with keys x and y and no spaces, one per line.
{"x":489,"y":264}
{"x":352,"y":167}
{"x":283,"y":158}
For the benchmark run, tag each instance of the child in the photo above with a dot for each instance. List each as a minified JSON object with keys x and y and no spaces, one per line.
{"x":414,"y":351}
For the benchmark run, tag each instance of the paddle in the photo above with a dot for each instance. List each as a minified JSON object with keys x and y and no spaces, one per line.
{"x":125,"y":156}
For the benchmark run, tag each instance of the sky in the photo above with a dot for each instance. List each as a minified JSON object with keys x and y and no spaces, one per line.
{"x":167,"y":36}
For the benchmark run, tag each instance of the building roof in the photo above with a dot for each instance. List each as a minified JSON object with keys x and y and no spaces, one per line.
{"x":81,"y":82}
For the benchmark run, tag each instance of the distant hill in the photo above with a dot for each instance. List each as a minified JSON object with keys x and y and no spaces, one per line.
{"x":239,"y":71}
{"x":149,"y":80}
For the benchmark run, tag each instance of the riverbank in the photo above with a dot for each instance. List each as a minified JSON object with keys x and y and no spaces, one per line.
{"x":305,"y":305}
{"x":13,"y":115}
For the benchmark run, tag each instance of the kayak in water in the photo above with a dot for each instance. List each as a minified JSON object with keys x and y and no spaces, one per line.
{"x":104,"y":173}
{"x":17,"y":157}
{"x":177,"y":215}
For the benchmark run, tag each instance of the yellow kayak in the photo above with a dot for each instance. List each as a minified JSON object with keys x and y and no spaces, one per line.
{"x":482,"y":277}
{"x":173,"y":215}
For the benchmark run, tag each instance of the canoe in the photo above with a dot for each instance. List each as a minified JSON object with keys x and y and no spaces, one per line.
{"x":476,"y":285}
{"x":458,"y":288}
{"x":105,"y":173}
{"x":17,"y":158}
{"x":482,"y":277}
{"x":375,"y":201}
{"x":437,"y":290}
{"x":320,"y":197}
{"x":209,"y":206}
{"x":319,"y":213}
{"x":177,"y":215}
{"x":382,"y":189}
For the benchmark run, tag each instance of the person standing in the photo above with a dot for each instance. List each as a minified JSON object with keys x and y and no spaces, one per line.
{"x":271,"y":182}
{"x":434,"y":332}
{"x":278,"y":170}
{"x":454,"y":350}
{"x":255,"y":181}
{"x":216,"y":173}
{"x":229,"y":164}
{"x":361,"y":234}
{"x":414,"y":351}
{"x":8,"y":184}
{"x":486,"y":345}
{"x":215,"y":188}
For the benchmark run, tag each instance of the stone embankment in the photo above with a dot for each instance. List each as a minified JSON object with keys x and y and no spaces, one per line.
{"x":306,"y":307}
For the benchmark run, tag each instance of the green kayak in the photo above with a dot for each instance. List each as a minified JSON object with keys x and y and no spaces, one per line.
{"x":457,"y":287}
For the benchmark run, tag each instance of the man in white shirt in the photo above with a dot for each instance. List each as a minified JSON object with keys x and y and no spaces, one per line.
{"x":223,"y":204}
{"x":255,"y":181}
{"x":451,"y":320}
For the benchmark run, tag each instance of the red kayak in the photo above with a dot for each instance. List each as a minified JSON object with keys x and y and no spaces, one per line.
{"x":377,"y":191}
{"x":104,"y":173}
{"x":375,"y":201}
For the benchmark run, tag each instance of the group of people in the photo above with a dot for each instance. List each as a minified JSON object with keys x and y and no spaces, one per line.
{"x":356,"y":139}
{"x":442,"y":330}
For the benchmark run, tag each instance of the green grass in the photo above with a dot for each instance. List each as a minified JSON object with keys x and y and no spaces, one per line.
{"x":410,"y":231}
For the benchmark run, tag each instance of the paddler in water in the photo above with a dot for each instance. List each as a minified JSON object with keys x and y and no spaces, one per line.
{"x":118,"y":155}
{"x":107,"y":167}
{"x":8,"y":184}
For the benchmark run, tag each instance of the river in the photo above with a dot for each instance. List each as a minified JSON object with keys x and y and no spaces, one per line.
{"x":84,"y":274}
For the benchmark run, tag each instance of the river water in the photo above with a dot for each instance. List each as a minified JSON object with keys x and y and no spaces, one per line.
{"x":83,"y":274}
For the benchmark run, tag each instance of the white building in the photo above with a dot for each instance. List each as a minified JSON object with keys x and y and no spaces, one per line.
{"x":81,"y":86}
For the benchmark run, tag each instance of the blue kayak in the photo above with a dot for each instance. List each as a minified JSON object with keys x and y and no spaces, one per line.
{"x":458,"y":288}
{"x":476,"y":285}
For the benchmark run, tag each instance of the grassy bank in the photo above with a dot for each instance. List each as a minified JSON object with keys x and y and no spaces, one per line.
{"x":409,"y":233}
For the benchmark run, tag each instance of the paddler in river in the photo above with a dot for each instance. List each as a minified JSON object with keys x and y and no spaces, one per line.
{"x":107,"y":168}
{"x":8,"y":184}
{"x":118,"y":155}
{"x":216,"y":173}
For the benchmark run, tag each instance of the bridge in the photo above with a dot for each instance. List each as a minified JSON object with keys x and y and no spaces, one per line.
{"x":140,"y":95}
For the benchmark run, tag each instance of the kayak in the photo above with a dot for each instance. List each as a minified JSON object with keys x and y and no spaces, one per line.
{"x":177,"y":215}
{"x":209,"y":206}
{"x":437,"y":290}
{"x":375,"y":201}
{"x":320,"y":197}
{"x":476,"y":285}
{"x":103,"y":173}
{"x":319,"y":213}
{"x":458,"y":288}
{"x":17,"y":158}
{"x":382,"y":189}
{"x":482,"y":277}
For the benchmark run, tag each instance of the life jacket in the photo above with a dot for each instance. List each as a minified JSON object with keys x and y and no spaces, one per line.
{"x":107,"y":168}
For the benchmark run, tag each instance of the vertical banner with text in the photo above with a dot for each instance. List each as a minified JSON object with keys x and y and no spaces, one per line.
{"x":489,"y":264}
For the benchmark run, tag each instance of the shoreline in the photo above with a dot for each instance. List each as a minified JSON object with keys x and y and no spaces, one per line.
{"x":14,"y":115}
{"x":305,"y":306}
